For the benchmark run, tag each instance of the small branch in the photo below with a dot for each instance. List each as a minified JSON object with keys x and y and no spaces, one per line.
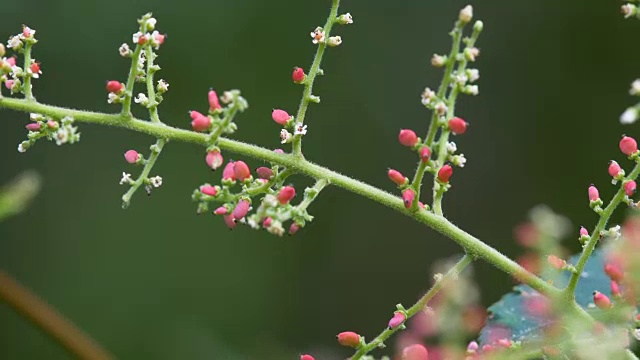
{"x":131,"y":81}
{"x":28,"y":94}
{"x":49,"y":320}
{"x":452,"y":274}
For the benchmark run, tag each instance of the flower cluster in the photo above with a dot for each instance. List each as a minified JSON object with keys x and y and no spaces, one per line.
{"x":17,"y":79}
{"x":61,"y":131}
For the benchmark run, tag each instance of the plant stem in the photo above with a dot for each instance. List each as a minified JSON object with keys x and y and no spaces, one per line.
{"x":49,"y":320}
{"x":27,"y":77}
{"x":451,"y":275}
{"x":308,"y":82}
{"x":126,"y":198}
{"x":151,"y":91}
{"x":131,"y":81}
{"x":317,"y":187}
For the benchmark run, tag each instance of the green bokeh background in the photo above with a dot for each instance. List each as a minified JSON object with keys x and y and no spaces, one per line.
{"x":156,"y":281}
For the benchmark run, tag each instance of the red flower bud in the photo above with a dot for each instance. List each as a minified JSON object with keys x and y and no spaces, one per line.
{"x":583,"y":231}
{"x":630,"y":187}
{"x":398,"y":318}
{"x":228,"y":173}
{"x":628,"y":145}
{"x":214,"y":103}
{"x":33,"y":127}
{"x":415,"y":352}
{"x":396,"y":177}
{"x":35,"y":68}
{"x":457,"y":126}
{"x":214,"y":159}
{"x":241,"y":169}
{"x":445,"y":172}
{"x":280,"y":116}
{"x":286,"y":194}
{"x":199,"y":122}
{"x":114,"y":86}
{"x":425,"y":154}
{"x":298,"y":75}
{"x":601,"y":300}
{"x":222,"y":210}
{"x":594,"y":195}
{"x":9,"y":84}
{"x":613,"y":271}
{"x":241,"y":209}
{"x":264,"y":172}
{"x":229,"y":221}
{"x":556,"y":262}
{"x":407,"y":138}
{"x":349,"y":338}
{"x":614,"y":169}
{"x":408,"y":196}
{"x":293,"y":228}
{"x":267,"y":222}
{"x":615,"y":289}
{"x":131,"y":156}
{"x":211,"y":191}
{"x":307,"y":357}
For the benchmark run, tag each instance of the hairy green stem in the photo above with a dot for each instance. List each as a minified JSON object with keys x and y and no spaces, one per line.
{"x":27,"y":77}
{"x":151,"y":91}
{"x":310,"y":78}
{"x":317,"y":187}
{"x":126,"y":198}
{"x":131,"y":81}
{"x":451,"y":275}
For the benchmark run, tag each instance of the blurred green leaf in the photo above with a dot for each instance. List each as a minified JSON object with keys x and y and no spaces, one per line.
{"x":15,"y":196}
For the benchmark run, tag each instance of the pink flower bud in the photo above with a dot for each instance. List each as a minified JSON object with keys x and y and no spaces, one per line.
{"x":628,"y":145}
{"x":131,"y":156}
{"x":307,"y":357}
{"x":211,"y":191}
{"x":594,"y":195}
{"x":398,"y":318}
{"x":278,"y":151}
{"x":556,"y":262}
{"x":241,"y":169}
{"x":286,"y":194}
{"x":214,"y":159}
{"x":142,"y":40}
{"x":298,"y":75}
{"x":614,"y":169}
{"x":613,"y":271}
{"x":349,"y":338}
{"x":293,"y":228}
{"x":11,"y":61}
{"x":9,"y":84}
{"x":630,"y":187}
{"x":457,"y":126}
{"x":601,"y":300}
{"x":52,"y":124}
{"x":415,"y":352}
{"x":472,"y":347}
{"x":505,"y":343}
{"x":114,"y":86}
{"x":229,"y":221}
{"x":396,"y":177}
{"x":407,"y":138}
{"x":33,"y":127}
{"x":267,"y":222}
{"x":583,"y":231}
{"x":214,"y":103}
{"x":445,"y":172}
{"x":615,"y":289}
{"x":425,"y":154}
{"x":222,"y":210}
{"x":241,"y":209}
{"x":264,"y":172}
{"x":280,"y":116}
{"x":199,"y":122}
{"x":159,"y":38}
{"x":408,"y":196}
{"x":228,"y":173}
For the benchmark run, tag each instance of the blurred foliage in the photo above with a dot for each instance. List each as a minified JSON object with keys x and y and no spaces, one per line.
{"x":15,"y":196}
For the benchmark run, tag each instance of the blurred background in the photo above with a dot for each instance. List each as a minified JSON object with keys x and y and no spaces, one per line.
{"x":156,"y":281}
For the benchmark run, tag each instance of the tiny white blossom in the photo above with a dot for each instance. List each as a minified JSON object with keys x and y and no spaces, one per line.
{"x":427,"y":95}
{"x":473,"y":74}
{"x":472,"y":90}
{"x":16,"y":71}
{"x":636,"y":334}
{"x":459,"y":160}
{"x":151,"y":23}
{"x":22,"y":148}
{"x":317,"y":35}
{"x":124,"y":50}
{"x":441,"y":108}
{"x":334,"y":41}
{"x":451,"y":147}
{"x":112,"y":98}
{"x":285,"y":136}
{"x":251,"y":222}
{"x":628,"y":10}
{"x":141,"y":99}
{"x":226,"y":97}
{"x":300,"y":129}
{"x":156,"y":181}
{"x":629,"y":116}
{"x":14,"y":42}
{"x":345,"y":19}
{"x":614,"y":232}
{"x":461,"y":79}
{"x":276,"y":228}
{"x":126,"y":179}
{"x":635,"y":87}
{"x":471,"y":53}
{"x":466,"y":14}
{"x":438,"y":60}
{"x":141,"y":60}
{"x":270,"y":201}
{"x":163,"y":86}
{"x":35,"y":117}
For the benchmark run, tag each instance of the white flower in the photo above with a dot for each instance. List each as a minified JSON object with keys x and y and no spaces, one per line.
{"x":163,"y":86}
{"x":226,"y":97}
{"x":14,"y":42}
{"x":334,"y":41}
{"x":124,"y":50}
{"x":141,"y":61}
{"x":21,"y":147}
{"x":472,"y":90}
{"x":466,"y":14}
{"x":473,"y":74}
{"x":629,"y":116}
{"x":427,"y":95}
{"x":459,"y":160}
{"x":441,"y":108}
{"x":270,"y":201}
{"x":141,"y":99}
{"x":345,"y":19}
{"x":151,"y":23}
{"x":16,"y":71}
{"x":461,"y":79}
{"x":614,"y":232}
{"x":452,"y":147}
{"x":300,"y":129}
{"x":635,"y":87}
{"x":438,"y":60}
{"x":112,"y":98}
{"x":35,"y":117}
{"x":276,"y":228}
{"x":251,"y":222}
{"x":317,"y":35}
{"x":636,"y":334}
{"x":156,"y":181}
{"x":628,"y":10}
{"x":471,"y":53}
{"x":126,"y":179}
{"x":61,"y":136}
{"x":285,"y":136}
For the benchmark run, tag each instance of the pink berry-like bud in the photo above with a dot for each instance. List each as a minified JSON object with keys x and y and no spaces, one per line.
{"x":298,"y":75}
{"x":52,"y":124}
{"x":457,"y":126}
{"x":230,"y":221}
{"x":278,"y":151}
{"x":199,"y":122}
{"x":415,"y":352}
{"x":594,"y":195}
{"x":209,"y":190}
{"x":9,"y":84}
{"x":228,"y":173}
{"x":293,"y":228}
{"x":472,"y":347}
{"x":11,"y":61}
{"x":613,"y":271}
{"x":407,"y":137}
{"x":396,"y":177}
{"x":615,"y":289}
{"x":267,"y":222}
{"x":35,"y":68}
{"x":445,"y":172}
{"x":408,"y":196}
{"x":307,"y":357}
{"x":214,"y":159}
{"x":159,"y":38}
{"x":425,"y":154}
{"x":280,"y":116}
{"x":222,"y":210}
{"x":214,"y":103}
{"x":131,"y":156}
{"x":583,"y":231}
{"x":114,"y":86}
{"x":241,"y":169}
{"x":33,"y":127}
{"x":614,"y":169}
{"x":505,"y":343}
{"x":630,"y":187}
{"x":264,"y":172}
{"x":601,"y":300}
{"x":241,"y":209}
{"x":349,"y":338}
{"x":398,"y":318}
{"x":286,"y":194}
{"x":556,"y":262}
{"x":628,"y":145}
